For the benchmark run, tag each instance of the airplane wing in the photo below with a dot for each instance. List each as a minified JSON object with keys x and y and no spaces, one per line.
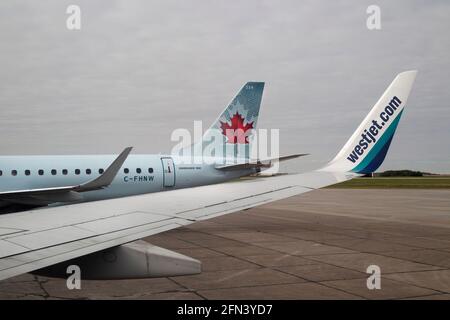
{"x":67,"y":193}
{"x":35,"y":239}
{"x":31,"y":240}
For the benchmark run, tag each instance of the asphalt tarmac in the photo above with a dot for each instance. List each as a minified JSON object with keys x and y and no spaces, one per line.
{"x":313,"y":246}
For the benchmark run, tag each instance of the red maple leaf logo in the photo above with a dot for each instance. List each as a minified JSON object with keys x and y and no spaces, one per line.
{"x":236,"y":132}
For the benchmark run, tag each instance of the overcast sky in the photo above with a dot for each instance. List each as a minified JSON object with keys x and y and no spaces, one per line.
{"x":139,"y":69}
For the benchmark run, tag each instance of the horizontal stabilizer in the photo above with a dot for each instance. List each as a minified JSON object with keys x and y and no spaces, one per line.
{"x":259,"y":163}
{"x":288,"y":157}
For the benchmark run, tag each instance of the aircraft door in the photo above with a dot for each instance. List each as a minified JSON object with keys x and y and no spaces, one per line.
{"x":168,"y":172}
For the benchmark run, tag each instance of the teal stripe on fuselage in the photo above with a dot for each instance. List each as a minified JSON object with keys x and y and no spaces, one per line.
{"x":378,"y":147}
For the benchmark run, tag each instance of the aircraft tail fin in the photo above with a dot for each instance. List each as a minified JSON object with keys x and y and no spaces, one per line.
{"x":234,"y":130}
{"x":366,"y":149}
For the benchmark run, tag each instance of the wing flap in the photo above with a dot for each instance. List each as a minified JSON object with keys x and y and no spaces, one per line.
{"x":9,"y":249}
{"x":244,"y":203}
{"x":122,"y":222}
{"x":47,"y":238}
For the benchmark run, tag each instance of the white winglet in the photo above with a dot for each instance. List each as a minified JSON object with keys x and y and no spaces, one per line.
{"x":366,"y":149}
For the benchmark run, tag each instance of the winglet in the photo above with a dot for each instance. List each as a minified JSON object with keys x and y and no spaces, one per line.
{"x":366,"y":149}
{"x":108,"y":176}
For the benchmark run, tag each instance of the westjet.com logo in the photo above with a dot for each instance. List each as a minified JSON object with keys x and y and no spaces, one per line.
{"x":369,"y":135}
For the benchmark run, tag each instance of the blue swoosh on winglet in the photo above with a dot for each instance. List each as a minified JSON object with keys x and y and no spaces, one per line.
{"x":376,"y":156}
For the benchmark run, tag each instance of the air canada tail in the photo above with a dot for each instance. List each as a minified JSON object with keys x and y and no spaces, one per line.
{"x":366,"y":149}
{"x":233,"y":131}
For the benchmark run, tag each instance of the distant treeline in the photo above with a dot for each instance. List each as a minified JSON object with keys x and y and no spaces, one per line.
{"x":399,"y":173}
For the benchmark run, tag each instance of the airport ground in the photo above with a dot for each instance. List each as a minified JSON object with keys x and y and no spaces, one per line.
{"x":313,"y":246}
{"x":430,"y":182}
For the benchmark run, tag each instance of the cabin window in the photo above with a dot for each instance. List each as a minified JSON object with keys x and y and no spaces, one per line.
{"x":150,"y":170}
{"x":64,"y":172}
{"x":138,"y":170}
{"x":100,"y":171}
{"x":77,"y":171}
{"x":27,"y":172}
{"x":1,"y":172}
{"x":14,"y":172}
{"x":41,"y":172}
{"x":88,"y":171}
{"x":126,"y":170}
{"x":54,"y":172}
